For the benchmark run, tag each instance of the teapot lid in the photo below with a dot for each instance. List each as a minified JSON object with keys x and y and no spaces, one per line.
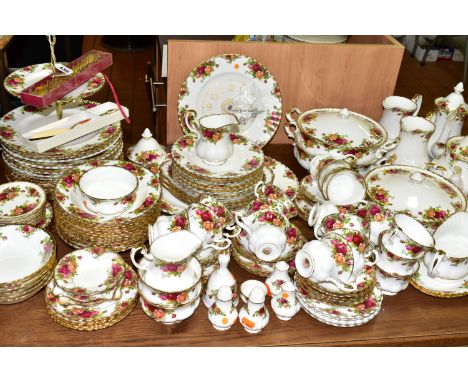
{"x":175,"y":246}
{"x":455,"y":98}
{"x":146,"y":143}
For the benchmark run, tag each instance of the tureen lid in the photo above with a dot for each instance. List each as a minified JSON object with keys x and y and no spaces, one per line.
{"x":147,"y":143}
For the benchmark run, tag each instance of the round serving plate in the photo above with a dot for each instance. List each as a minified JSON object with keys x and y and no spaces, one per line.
{"x":24,"y":251}
{"x":317,"y":39}
{"x":246,"y":158}
{"x":427,"y":197}
{"x":438,"y":287}
{"x":23,"y":78}
{"x":236,"y":84}
{"x":26,"y":118}
{"x":68,"y":196}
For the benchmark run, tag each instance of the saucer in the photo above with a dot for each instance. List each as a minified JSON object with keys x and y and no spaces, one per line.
{"x":438,"y":287}
{"x":68,"y":195}
{"x":284,"y":178}
{"x":246,"y":158}
{"x":310,"y":189}
{"x":20,"y":199}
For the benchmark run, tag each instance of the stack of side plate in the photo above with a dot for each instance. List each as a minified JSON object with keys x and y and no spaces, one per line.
{"x":27,"y":258}
{"x":44,"y":169}
{"x":91,"y":289}
{"x":80,"y":227}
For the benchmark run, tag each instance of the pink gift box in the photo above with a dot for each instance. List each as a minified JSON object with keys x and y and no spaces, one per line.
{"x":31,"y":95}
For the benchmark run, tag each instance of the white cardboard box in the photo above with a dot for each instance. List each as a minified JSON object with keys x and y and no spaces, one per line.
{"x":457,"y":56}
{"x":431,"y":57}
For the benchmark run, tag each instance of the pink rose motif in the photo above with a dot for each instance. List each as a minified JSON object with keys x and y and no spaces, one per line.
{"x":68,"y":180}
{"x":129,"y":167}
{"x":170,"y":267}
{"x":208,"y":133}
{"x":116,"y":269}
{"x":440,"y":214}
{"x":291,"y":233}
{"x":256,"y":205}
{"x":329,"y":224}
{"x":374,"y":210}
{"x":269,"y":216}
{"x":64,"y":271}
{"x":180,"y":221}
{"x":206,"y":216}
{"x":148,"y":201}
{"x":256,"y":67}
{"x":290,"y":192}
{"x":201,"y":70}
{"x":370,"y":303}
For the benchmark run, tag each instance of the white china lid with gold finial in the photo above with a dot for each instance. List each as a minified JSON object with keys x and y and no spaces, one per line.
{"x":455,"y":99}
{"x":147,"y":143}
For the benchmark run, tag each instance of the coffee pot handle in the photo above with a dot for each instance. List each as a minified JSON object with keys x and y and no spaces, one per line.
{"x":438,"y":257}
{"x":143,"y":251}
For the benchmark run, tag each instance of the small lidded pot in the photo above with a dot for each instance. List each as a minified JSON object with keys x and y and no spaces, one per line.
{"x":108,"y":190}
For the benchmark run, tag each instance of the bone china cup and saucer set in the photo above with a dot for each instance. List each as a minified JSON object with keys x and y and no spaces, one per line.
{"x":385,"y":201}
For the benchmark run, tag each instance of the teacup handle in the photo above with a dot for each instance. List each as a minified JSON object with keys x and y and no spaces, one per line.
{"x":222,"y":248}
{"x":318,"y":231}
{"x":232,"y":228}
{"x":190,"y":115}
{"x":241,"y":224}
{"x":304,"y":270}
{"x":313,"y":214}
{"x":438,"y":257}
{"x":260,"y":185}
{"x":143,"y":251}
{"x":376,"y":257}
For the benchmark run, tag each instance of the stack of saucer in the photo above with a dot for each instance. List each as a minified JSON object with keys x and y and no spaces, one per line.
{"x":232,"y":183}
{"x":22,"y":203}
{"x":106,"y":203}
{"x":91,"y":289}
{"x":27,"y":258}
{"x":44,"y":169}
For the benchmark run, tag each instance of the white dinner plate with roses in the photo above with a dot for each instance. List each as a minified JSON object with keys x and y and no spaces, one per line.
{"x":26,"y":118}
{"x":245,"y":159}
{"x":235,"y":84}
{"x":68,"y":195}
{"x":23,"y":78}
{"x":427,"y":197}
{"x":103,"y":310}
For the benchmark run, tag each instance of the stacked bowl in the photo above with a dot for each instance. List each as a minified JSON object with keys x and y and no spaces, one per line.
{"x":24,"y":164}
{"x":92,"y":288}
{"x":27,"y":258}
{"x":24,"y":203}
{"x":106,"y":203}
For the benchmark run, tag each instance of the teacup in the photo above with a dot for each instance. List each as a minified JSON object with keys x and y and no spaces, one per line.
{"x":214,"y":145}
{"x":328,"y":260}
{"x":108,"y":190}
{"x":391,"y":283}
{"x":343,"y":187}
{"x":342,"y":220}
{"x":408,"y":238}
{"x":379,"y":219}
{"x":319,"y":211}
{"x":450,"y":259}
{"x":392,"y":263}
{"x":339,"y":162}
{"x":266,"y":232}
{"x":270,"y":196}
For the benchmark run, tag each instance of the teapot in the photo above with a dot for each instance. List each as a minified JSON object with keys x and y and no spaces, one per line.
{"x":452,"y":107}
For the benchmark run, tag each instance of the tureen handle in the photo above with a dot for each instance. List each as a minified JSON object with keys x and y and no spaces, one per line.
{"x":417,"y":99}
{"x":438,"y":257}
{"x":291,"y":122}
{"x":189,"y":117}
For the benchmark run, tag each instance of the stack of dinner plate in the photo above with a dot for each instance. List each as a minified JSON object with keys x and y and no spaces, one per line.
{"x":44,"y":169}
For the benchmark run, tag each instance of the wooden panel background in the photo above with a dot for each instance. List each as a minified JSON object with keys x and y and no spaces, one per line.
{"x":357,"y":75}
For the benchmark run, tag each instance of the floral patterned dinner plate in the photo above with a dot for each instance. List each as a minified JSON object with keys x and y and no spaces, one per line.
{"x":23,"y":78}
{"x":20,"y":198}
{"x":68,"y":196}
{"x":236,"y":84}
{"x":26,"y":118}
{"x":246,"y":158}
{"x":427,"y":197}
